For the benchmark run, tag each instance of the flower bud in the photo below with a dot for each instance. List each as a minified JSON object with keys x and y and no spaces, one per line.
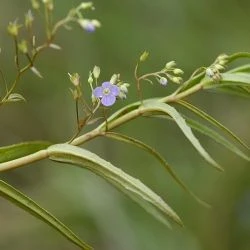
{"x":170,"y":65}
{"x":219,"y":67}
{"x":144,"y":56}
{"x":49,"y":4}
{"x":209,"y":72}
{"x":163,"y":81}
{"x":74,"y":78}
{"x":29,"y":19}
{"x":35,"y":4}
{"x":177,"y":80}
{"x":89,"y":25}
{"x":13,"y":28}
{"x":124,"y":88}
{"x":178,"y":71}
{"x":90,"y":79}
{"x":114,"y":78}
{"x":86,"y":5}
{"x":23,"y":47}
{"x":96,"y":72}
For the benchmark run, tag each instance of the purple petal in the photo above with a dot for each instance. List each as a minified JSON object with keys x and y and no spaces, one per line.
{"x":98,"y":92}
{"x":106,"y":85}
{"x":114,"y":90}
{"x":108,"y":100}
{"x":90,"y":27}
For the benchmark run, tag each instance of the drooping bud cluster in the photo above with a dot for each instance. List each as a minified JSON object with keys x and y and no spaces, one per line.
{"x":169,"y":72}
{"x":214,"y":71}
{"x":172,"y":73}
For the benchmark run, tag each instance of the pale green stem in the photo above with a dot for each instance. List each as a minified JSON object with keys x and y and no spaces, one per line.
{"x":37,"y":156}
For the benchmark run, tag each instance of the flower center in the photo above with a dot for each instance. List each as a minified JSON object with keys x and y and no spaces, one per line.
{"x":106,"y":91}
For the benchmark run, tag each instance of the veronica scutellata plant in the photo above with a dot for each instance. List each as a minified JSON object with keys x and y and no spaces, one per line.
{"x":105,"y":93}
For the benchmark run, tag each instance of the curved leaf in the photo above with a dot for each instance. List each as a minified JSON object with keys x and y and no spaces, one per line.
{"x":132,"y":187}
{"x":13,"y":195}
{"x":15,"y":97}
{"x":152,"y":151}
{"x":231,"y":79}
{"x":19,"y":150}
{"x":205,"y":130}
{"x":242,"y":68}
{"x":211,"y":120}
{"x":241,"y":91}
{"x":180,"y":121}
{"x":216,"y":136}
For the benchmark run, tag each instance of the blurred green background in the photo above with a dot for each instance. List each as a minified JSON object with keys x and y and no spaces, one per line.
{"x":191,"y":32}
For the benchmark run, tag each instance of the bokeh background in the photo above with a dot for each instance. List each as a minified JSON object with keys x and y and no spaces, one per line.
{"x":191,"y":32}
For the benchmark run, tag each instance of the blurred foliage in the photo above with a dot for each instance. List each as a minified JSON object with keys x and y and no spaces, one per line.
{"x":191,"y":32}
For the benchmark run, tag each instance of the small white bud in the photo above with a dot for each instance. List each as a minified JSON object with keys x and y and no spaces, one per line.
{"x":170,"y":65}
{"x":163,"y":81}
{"x":178,"y":71}
{"x":96,"y":72}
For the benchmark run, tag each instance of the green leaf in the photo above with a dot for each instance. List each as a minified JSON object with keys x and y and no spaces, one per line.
{"x":15,"y":151}
{"x":205,"y":130}
{"x":13,"y":195}
{"x":241,"y":91}
{"x":243,"y":68}
{"x":238,"y":55}
{"x":216,"y":136}
{"x":132,"y":187}
{"x":180,"y":121}
{"x":231,"y":79}
{"x":213,"y":121}
{"x":152,"y":151}
{"x":14,"y":97}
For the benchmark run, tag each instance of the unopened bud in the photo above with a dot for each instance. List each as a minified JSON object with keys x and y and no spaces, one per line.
{"x":163,"y":81}
{"x":86,"y":5}
{"x":35,"y":4}
{"x":13,"y":28}
{"x":90,"y":79}
{"x":170,"y":65}
{"x":144,"y":56}
{"x":178,"y":71}
{"x":29,"y":19}
{"x":209,"y":72}
{"x":74,"y":78}
{"x":177,"y":80}
{"x":114,"y":78}
{"x":96,"y":72}
{"x":23,"y":47}
{"x":219,"y":67}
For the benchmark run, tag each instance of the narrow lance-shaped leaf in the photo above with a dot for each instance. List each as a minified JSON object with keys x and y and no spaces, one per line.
{"x":211,"y":120}
{"x":132,"y":187}
{"x":180,"y":121}
{"x":205,"y":130}
{"x":241,"y":91}
{"x":19,"y":150}
{"x":152,"y":151}
{"x":216,"y":137}
{"x":231,"y":79}
{"x":242,"y":68}
{"x":15,"y":196}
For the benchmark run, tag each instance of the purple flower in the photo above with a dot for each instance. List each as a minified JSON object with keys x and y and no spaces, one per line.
{"x":107,"y":93}
{"x":89,"y":27}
